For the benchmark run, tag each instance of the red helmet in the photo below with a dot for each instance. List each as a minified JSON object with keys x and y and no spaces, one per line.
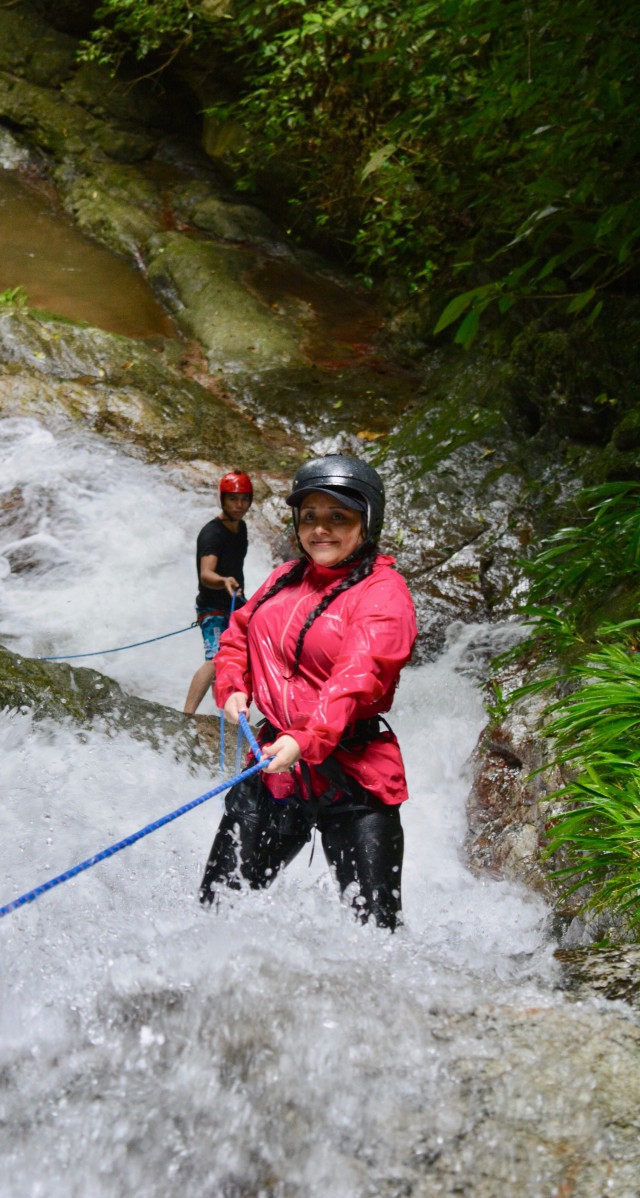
{"x":235,"y":483}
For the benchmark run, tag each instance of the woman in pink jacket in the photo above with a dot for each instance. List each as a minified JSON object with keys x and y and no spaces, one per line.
{"x":319,"y":648}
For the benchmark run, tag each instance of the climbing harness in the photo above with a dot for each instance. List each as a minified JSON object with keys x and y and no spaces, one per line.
{"x":31,"y":895}
{"x":343,"y":794}
{"x":342,"y":791}
{"x":100,"y":652}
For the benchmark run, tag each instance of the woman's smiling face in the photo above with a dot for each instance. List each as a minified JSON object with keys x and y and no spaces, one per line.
{"x":328,"y":531}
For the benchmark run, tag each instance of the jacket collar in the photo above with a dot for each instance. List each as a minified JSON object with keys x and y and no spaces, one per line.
{"x":327,"y":574}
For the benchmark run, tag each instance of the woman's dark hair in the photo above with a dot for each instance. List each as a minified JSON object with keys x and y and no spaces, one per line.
{"x":363,"y":560}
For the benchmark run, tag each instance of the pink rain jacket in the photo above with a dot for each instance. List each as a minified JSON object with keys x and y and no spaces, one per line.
{"x":351,"y":661}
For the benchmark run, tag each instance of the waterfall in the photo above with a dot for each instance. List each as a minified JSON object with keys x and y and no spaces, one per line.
{"x":275,"y":1048}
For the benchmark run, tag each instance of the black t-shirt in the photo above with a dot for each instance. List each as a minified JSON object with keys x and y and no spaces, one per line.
{"x":230,"y":548}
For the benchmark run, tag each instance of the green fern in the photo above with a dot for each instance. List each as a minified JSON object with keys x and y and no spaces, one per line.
{"x":593,"y":725}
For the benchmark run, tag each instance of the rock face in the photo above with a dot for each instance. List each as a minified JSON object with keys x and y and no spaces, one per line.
{"x":128,"y":389}
{"x":84,"y":698}
{"x":107,"y":147}
{"x":509,"y":811}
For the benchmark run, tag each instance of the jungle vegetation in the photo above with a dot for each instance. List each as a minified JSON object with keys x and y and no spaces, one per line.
{"x":486,"y":150}
{"x":582,"y":607}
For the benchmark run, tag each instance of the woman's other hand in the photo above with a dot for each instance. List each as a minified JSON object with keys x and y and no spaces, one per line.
{"x":235,"y":706}
{"x":285,"y":753}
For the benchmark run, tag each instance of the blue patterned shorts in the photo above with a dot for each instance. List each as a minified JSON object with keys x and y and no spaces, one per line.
{"x":212,"y":627}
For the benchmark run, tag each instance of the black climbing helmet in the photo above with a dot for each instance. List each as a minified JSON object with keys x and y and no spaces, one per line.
{"x":350,"y":480}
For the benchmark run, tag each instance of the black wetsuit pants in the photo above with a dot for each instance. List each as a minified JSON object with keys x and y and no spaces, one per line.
{"x":362,"y":843}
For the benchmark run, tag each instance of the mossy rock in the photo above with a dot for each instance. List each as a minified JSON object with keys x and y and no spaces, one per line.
{"x":579,"y":380}
{"x":86,"y":699}
{"x":128,"y":389}
{"x":202,"y":283}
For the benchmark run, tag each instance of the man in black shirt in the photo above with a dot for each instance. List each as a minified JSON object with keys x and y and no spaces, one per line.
{"x":220,"y":553}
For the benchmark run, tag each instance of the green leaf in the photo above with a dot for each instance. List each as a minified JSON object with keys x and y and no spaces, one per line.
{"x":624,"y":252}
{"x":466,"y":333}
{"x":458,"y":305}
{"x":580,"y":301}
{"x":378,"y":159}
{"x":594,"y":313}
{"x":505,"y":302}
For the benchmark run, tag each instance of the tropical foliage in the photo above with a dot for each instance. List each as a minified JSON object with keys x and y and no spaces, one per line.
{"x":486,"y":146}
{"x":597,"y":728}
{"x":594,"y":726}
{"x":143,"y":28}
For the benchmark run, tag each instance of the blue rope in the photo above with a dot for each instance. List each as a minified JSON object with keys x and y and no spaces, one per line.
{"x":238,"y":762}
{"x":31,"y":895}
{"x":221,"y":757}
{"x":99,"y":652}
{"x":255,"y":747}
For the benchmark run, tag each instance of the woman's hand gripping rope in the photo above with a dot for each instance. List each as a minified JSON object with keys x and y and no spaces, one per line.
{"x":281,"y":755}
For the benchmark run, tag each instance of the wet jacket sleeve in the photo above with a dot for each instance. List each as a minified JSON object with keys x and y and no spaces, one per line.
{"x":379,"y":636}
{"x":233,"y":671}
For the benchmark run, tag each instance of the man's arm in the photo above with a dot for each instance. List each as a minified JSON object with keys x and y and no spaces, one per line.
{"x":209,"y":576}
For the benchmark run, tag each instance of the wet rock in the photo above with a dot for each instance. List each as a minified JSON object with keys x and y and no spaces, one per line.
{"x":462,"y":484}
{"x":627,"y":434}
{"x":69,"y":107}
{"x":509,"y":810}
{"x":574,"y":393}
{"x":63,"y":128}
{"x":612,"y":971}
{"x":115,"y":204}
{"x":201,"y":283}
{"x":66,"y":693}
{"x":132,"y":103}
{"x":73,"y":694}
{"x":123,"y":388}
{"x":516,"y":1128}
{"x":222,"y":216}
{"x":30,"y":47}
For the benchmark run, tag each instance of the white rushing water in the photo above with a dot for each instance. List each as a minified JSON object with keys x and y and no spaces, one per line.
{"x":150,"y":1048}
